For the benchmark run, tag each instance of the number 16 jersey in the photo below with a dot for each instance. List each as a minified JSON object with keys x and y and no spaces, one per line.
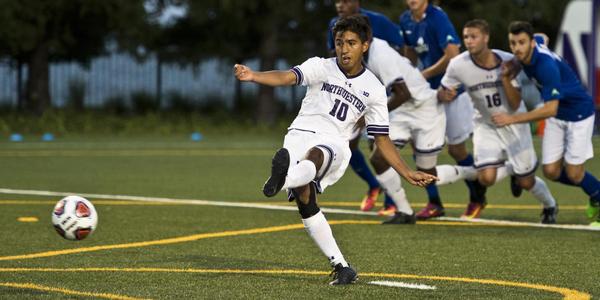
{"x":484,"y":85}
{"x":334,"y":101}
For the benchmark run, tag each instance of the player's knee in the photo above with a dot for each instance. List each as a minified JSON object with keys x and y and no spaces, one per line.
{"x":302,"y":194}
{"x":486,"y":179}
{"x":526,"y":182}
{"x":575,"y":175}
{"x":551,"y":172}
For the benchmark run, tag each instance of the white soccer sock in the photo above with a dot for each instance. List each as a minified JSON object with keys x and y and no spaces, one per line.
{"x":450,"y":174}
{"x":541,"y":192}
{"x":391,"y":183}
{"x":300,"y":174}
{"x":319,"y":230}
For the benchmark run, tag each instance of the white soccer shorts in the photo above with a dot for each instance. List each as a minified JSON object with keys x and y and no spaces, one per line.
{"x":571,"y":140}
{"x":493,"y":146}
{"x":298,"y":142}
{"x":459,"y":119}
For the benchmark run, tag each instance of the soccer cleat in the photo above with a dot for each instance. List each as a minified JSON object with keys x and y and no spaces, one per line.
{"x":473,"y":210}
{"x":343,"y":275}
{"x":401,"y":218}
{"x":387,"y":211}
{"x":592,"y":211}
{"x":370,"y":198}
{"x":549,"y":215}
{"x":515,"y":189}
{"x":279,"y":169}
{"x":430,"y":211}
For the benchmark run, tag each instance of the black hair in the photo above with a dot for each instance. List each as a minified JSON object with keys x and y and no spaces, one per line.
{"x":517,"y":27}
{"x":480,"y":24}
{"x":358,"y":24}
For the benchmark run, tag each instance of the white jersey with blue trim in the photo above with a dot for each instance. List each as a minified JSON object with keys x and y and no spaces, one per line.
{"x":334,"y":102}
{"x":484,"y":85}
{"x":391,"y":67}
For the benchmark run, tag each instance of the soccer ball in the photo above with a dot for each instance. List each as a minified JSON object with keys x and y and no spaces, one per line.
{"x":74,"y":218}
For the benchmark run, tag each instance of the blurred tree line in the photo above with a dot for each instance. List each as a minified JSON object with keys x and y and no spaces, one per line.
{"x":35,"y":33}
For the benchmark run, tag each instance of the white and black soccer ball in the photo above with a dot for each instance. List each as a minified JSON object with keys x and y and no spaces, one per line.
{"x":74,"y":218}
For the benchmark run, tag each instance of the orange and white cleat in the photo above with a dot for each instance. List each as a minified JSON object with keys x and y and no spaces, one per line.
{"x":370,"y":199}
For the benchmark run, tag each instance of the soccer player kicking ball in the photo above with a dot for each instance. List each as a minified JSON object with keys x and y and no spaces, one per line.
{"x":315,"y":150}
{"x":568,"y":108}
{"x":484,"y":75}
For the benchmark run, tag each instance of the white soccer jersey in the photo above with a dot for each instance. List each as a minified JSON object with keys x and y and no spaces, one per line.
{"x":382,"y":56}
{"x":483,"y":85}
{"x":334,"y":102}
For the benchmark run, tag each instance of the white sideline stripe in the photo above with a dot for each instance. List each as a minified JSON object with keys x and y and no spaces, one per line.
{"x":404,"y":285}
{"x":279,"y":207}
{"x":180,"y":201}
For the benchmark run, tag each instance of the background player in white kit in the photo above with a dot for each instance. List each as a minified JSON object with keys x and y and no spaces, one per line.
{"x":415,"y":116}
{"x":316,"y":153}
{"x":484,"y":74}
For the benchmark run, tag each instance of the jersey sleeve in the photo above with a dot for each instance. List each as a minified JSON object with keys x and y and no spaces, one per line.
{"x":311,"y":71}
{"x":444,"y":31}
{"x":548,"y":76}
{"x":377,"y":115}
{"x":451,"y":78}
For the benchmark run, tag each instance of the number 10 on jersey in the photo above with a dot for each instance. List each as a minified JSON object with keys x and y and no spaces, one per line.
{"x":339,"y":110}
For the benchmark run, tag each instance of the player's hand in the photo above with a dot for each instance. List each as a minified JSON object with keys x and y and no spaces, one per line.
{"x":502,"y":119}
{"x":243,"y":73}
{"x":509,"y":69}
{"x":445,"y":94}
{"x":419,"y":178}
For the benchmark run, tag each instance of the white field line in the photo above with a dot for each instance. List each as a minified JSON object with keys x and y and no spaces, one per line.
{"x":278,"y":207}
{"x":403,"y":285}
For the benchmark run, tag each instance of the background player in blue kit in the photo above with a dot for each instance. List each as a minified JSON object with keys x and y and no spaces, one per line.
{"x":431,"y":38}
{"x":382,"y":28}
{"x":568,"y":110}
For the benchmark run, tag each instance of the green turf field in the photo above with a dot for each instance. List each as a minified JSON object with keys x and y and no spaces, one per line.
{"x":180,"y":250}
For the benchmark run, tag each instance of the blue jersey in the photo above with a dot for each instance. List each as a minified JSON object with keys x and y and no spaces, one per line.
{"x":382,"y":27}
{"x":429,"y":37}
{"x":556,"y":80}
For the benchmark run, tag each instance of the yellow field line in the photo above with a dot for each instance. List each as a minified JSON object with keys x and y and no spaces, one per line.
{"x":32,"y":286}
{"x":323,"y":203}
{"x":201,"y":236}
{"x":568,"y":294}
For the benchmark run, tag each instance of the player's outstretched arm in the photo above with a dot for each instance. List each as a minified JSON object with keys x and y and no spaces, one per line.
{"x":272,"y":78}
{"x":388,"y":150}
